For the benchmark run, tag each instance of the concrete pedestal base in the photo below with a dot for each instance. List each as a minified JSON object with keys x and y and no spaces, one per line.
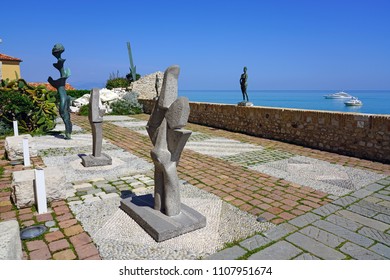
{"x":245,"y":103}
{"x":10,"y":244}
{"x":90,"y":160}
{"x":159,"y":226}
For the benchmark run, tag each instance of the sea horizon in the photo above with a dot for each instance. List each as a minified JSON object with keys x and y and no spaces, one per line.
{"x":374,"y":101}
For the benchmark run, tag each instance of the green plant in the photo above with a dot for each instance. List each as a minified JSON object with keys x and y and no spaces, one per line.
{"x":128,"y":105}
{"x":77,"y":93}
{"x":33,"y":107}
{"x":1,"y":171}
{"x":84,"y":110}
{"x":117,"y":83}
{"x":5,"y":128}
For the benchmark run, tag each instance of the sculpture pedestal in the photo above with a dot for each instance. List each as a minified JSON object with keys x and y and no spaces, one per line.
{"x":90,"y":160}
{"x":159,"y":226}
{"x":245,"y":103}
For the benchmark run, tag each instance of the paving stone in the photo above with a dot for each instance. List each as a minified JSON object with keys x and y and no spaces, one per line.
{"x":53,"y":236}
{"x":314,"y":247}
{"x":306,"y":256}
{"x":345,"y":200}
{"x":281,"y":250}
{"x":364,"y":220}
{"x":84,"y":197}
{"x":44,"y":217}
{"x":344,"y":233}
{"x":80,"y":239}
{"x":279,"y":231}
{"x":374,"y":187}
{"x":326,"y":210}
{"x":53,"y":229}
{"x":383,"y":218}
{"x":362,"y":211}
{"x":109,"y":196}
{"x":73,"y":230}
{"x":74,"y":198}
{"x":304,"y":220}
{"x":76,"y":202}
{"x":64,"y":255}
{"x":92,"y":199}
{"x":362,"y":193}
{"x":231,"y":253}
{"x":35,"y":245}
{"x":255,"y":242}
{"x":79,"y":187}
{"x":373,"y":206}
{"x":343,"y":222}
{"x":94,"y":191}
{"x":322,"y":236}
{"x":50,"y":224}
{"x":384,"y":182}
{"x":40,"y":254}
{"x":381,"y":196}
{"x":376,"y":235}
{"x":381,"y":249}
{"x":359,"y":253}
{"x":385,"y":204}
{"x":59,"y":245}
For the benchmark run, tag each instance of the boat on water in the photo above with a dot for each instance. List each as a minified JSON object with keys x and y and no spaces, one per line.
{"x":353,"y":102}
{"x":338,"y":95}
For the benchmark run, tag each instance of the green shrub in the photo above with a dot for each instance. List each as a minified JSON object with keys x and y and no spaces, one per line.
{"x":5,"y":129}
{"x":84,"y":110}
{"x":117,"y":83}
{"x":128,"y":105}
{"x":77,"y":93}
{"x":33,"y":107}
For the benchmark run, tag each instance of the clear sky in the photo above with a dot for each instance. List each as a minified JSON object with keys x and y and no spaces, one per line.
{"x":285,"y":44}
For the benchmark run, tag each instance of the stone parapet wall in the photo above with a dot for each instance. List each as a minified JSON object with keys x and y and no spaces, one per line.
{"x":359,"y":135}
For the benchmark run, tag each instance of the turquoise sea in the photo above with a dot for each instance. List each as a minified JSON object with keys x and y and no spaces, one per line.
{"x":374,"y":101}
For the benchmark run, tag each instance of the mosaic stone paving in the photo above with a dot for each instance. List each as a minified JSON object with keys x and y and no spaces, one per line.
{"x":131,"y":124}
{"x":258,"y":157}
{"x":221,"y":147}
{"x":330,"y":178}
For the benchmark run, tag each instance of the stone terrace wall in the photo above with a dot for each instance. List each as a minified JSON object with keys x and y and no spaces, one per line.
{"x":358,"y":135}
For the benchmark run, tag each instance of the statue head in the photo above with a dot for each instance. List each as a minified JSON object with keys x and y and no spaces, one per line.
{"x":57,"y":50}
{"x":244,"y":68}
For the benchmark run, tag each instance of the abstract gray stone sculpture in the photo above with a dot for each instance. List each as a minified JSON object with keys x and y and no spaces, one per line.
{"x":96,"y":120}
{"x":164,"y":216}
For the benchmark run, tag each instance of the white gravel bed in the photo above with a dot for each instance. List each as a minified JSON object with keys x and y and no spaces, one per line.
{"x":119,"y":237}
{"x":321,"y":175}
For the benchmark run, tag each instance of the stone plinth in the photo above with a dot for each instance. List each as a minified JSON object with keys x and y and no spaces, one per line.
{"x":23,"y":184}
{"x":90,"y":160}
{"x":14,"y":146}
{"x":158,"y":225}
{"x":10,"y":244}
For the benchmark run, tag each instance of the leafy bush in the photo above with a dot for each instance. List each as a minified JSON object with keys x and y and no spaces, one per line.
{"x":33,"y":107}
{"x":117,"y":83}
{"x":84,"y":110}
{"x":5,"y":128}
{"x":128,"y":105}
{"x":77,"y":93}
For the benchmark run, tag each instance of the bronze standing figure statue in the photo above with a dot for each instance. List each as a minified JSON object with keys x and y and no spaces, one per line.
{"x":59,"y":84}
{"x":244,"y":85}
{"x":157,"y":84}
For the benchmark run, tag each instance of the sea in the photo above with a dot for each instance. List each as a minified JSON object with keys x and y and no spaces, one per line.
{"x":374,"y":101}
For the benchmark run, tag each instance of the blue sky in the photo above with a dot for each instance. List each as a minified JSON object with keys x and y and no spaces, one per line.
{"x":321,"y":44}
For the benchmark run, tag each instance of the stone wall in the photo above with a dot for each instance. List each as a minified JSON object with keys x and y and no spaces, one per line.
{"x":359,"y":135}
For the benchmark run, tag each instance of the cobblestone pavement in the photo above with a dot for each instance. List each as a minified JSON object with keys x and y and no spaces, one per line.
{"x":310,"y":223}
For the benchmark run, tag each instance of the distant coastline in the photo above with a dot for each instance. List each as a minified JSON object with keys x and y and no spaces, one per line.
{"x":374,"y":101}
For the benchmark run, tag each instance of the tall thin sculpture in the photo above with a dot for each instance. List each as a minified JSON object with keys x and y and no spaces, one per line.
{"x":59,"y":84}
{"x":166,"y":217}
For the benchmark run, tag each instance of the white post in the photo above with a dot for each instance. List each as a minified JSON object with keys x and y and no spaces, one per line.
{"x":26,"y":152}
{"x":16,"y":131}
{"x":40,"y":190}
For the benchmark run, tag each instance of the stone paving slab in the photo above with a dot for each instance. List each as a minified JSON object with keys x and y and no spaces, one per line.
{"x":281,"y":250}
{"x":315,"y":247}
{"x":359,"y":253}
{"x":322,"y":236}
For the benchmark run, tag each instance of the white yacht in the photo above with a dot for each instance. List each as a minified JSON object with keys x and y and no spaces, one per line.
{"x":353,"y":102}
{"x":338,"y":95}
